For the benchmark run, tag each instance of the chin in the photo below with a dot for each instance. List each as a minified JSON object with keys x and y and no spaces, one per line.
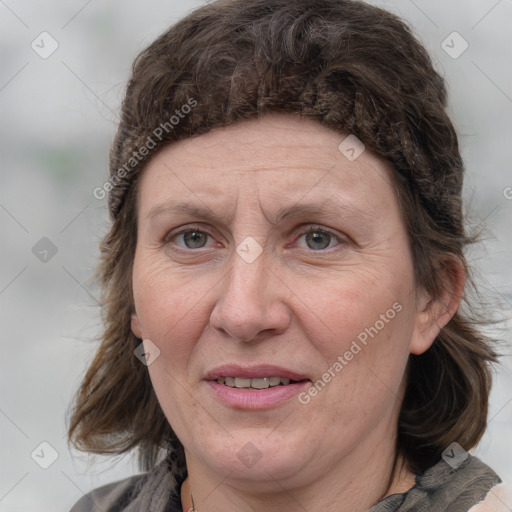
{"x":258,"y":458}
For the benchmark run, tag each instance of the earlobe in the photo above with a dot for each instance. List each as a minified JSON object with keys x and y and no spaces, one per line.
{"x":434,"y":313}
{"x":135,"y":325}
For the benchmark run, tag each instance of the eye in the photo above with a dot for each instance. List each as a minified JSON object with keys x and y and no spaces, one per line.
{"x":319,"y":239}
{"x":193,"y":238}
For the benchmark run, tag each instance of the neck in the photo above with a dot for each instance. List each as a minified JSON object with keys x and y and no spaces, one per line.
{"x":186,"y":496}
{"x":363,"y":478}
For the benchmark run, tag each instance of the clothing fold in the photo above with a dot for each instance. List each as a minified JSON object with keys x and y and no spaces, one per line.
{"x":441,"y":488}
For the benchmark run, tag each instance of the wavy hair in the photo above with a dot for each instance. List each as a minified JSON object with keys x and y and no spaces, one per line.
{"x":354,"y":68}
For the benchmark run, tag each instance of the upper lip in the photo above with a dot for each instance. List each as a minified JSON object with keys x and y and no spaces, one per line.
{"x":253,"y":372}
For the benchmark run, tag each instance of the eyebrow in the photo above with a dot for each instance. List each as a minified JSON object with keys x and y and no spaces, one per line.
{"x":328,"y":208}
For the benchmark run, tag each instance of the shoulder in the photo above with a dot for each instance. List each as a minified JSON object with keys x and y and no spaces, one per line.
{"x":498,"y":499}
{"x":108,"y":497}
{"x":155,"y":490}
{"x":466,"y":485}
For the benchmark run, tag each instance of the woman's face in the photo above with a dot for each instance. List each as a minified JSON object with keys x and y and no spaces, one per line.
{"x":265,"y":253}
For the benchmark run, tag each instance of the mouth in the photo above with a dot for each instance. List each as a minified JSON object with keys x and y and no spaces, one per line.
{"x":258,"y":383}
{"x":256,"y":387}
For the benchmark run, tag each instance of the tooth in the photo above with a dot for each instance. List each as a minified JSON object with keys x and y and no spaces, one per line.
{"x":242,"y":383}
{"x":260,"y":383}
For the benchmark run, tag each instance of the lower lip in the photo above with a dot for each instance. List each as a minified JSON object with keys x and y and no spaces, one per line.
{"x":257,"y":398}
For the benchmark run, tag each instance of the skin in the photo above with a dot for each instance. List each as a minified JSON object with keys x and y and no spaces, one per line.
{"x":299,"y":305}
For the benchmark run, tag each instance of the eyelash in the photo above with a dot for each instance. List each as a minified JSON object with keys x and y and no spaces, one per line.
{"x":200,"y":229}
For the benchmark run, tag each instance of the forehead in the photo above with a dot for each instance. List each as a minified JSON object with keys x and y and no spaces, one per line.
{"x":277,"y":157}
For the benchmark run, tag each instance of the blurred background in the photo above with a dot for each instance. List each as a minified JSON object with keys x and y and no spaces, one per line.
{"x":64,"y":66}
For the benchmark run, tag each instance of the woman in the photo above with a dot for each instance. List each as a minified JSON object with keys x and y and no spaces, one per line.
{"x":283,"y":275}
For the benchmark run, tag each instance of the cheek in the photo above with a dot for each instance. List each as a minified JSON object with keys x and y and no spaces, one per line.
{"x":169,"y":307}
{"x":360,"y":324}
{"x":350,"y":304}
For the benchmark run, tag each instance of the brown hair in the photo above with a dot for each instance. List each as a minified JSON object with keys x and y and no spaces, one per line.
{"x":354,"y":68}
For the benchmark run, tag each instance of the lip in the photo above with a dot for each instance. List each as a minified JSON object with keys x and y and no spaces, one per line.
{"x":253,"y":372}
{"x":254,"y":399}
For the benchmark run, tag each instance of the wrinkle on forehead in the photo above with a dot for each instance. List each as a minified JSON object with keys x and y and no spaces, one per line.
{"x":269,"y":162}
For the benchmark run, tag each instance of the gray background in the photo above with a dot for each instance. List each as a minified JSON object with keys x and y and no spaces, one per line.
{"x":58,"y":117}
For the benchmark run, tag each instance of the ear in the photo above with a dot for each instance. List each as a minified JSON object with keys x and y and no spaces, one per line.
{"x":135,"y":324}
{"x":434,"y":313}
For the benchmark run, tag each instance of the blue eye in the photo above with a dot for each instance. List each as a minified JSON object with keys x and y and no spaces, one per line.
{"x":318,"y":239}
{"x":193,"y":238}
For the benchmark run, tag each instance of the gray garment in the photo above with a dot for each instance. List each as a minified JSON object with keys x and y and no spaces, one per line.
{"x":442,"y":488}
{"x":154,"y":491}
{"x":439,"y":489}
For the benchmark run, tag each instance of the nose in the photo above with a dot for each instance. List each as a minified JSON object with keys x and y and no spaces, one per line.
{"x":252,"y":302}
